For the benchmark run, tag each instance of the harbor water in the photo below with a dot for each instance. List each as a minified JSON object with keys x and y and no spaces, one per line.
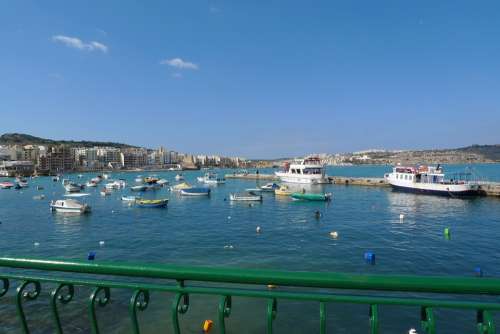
{"x":216,"y":232}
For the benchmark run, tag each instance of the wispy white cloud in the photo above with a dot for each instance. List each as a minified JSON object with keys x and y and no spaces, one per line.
{"x":77,"y":43}
{"x":179,"y":64}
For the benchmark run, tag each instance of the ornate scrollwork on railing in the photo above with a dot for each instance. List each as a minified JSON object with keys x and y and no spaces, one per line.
{"x":21,"y":294}
{"x":138,"y":301}
{"x":99,"y":300}
{"x":272,"y":309}
{"x":5,"y":286}
{"x":224,"y":312}
{"x":485,"y":323}
{"x":178,"y":308}
{"x":64,"y":294}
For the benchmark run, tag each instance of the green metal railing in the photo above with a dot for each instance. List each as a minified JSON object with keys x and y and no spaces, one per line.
{"x":227,"y":283}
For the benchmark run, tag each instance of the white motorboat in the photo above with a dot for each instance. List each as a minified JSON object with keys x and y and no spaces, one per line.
{"x":105,"y":192}
{"x":118,"y":184}
{"x":195,"y":191}
{"x":245,"y":197}
{"x":130,"y":198}
{"x":73,"y":187}
{"x":162,"y":182}
{"x":139,"y":188}
{"x":179,"y":177}
{"x":91,"y":184}
{"x":270,"y":187}
{"x":211,"y":178}
{"x":139,"y":179}
{"x":106,"y":176}
{"x":69,"y":206}
{"x":306,"y":171}
{"x":430,"y":180}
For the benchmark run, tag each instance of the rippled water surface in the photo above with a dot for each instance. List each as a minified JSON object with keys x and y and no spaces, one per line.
{"x":199,"y":231}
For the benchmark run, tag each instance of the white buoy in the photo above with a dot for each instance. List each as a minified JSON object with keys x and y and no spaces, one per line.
{"x":258,"y":229}
{"x":334,"y":234}
{"x":101,"y":243}
{"x":36,"y":244}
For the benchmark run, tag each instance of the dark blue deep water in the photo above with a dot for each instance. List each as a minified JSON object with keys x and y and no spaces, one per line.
{"x":195,"y":231}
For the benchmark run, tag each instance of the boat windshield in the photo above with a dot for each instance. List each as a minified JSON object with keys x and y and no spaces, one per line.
{"x":312,"y":171}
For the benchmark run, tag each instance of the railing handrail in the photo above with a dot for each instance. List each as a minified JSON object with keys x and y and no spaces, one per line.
{"x":333,"y":280}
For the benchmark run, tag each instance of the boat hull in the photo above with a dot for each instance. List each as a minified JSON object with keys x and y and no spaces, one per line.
{"x":302,"y":179}
{"x":312,"y":197}
{"x":438,"y":192}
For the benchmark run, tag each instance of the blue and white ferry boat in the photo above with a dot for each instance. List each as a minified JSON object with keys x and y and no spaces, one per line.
{"x":430,"y":180}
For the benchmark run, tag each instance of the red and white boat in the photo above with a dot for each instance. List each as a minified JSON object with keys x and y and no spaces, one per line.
{"x":6,"y":185}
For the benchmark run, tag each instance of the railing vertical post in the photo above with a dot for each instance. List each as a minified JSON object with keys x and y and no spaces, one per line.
{"x":373,"y":313}
{"x":178,"y":308}
{"x":427,"y":320}
{"x":322,"y":318}
{"x":272,"y":308}
{"x":224,"y":312}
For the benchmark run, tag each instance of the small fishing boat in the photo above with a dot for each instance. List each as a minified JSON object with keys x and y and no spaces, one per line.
{"x":154,"y":186}
{"x":139,"y":179}
{"x":69,"y":205}
{"x":130,"y":198}
{"x":77,"y":195}
{"x":282,"y":191}
{"x":80,"y":176}
{"x":270,"y":187}
{"x":253,"y":190}
{"x":6,"y":185}
{"x":195,"y":191}
{"x":179,"y":177}
{"x":39,"y":188}
{"x":96,"y":179}
{"x":73,"y":187}
{"x":150,"y":180}
{"x":162,"y":182}
{"x":180,"y":186}
{"x":106,"y":176}
{"x":245,"y":197}
{"x":91,"y":184}
{"x":152,"y":203}
{"x":139,"y":188}
{"x":312,"y":197}
{"x":105,"y":192}
{"x":38,"y":197}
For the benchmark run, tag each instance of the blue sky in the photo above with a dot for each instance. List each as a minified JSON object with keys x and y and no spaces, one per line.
{"x":253,"y":78}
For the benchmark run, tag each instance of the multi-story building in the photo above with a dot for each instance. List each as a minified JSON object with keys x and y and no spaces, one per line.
{"x":58,"y":159}
{"x":134,"y":158}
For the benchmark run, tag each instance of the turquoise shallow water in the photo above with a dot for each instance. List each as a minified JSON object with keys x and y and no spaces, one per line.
{"x":196,"y":230}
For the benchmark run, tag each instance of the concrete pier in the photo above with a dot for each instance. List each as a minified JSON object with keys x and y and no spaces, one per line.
{"x":252,"y":176}
{"x":360,"y":181}
{"x":490,"y":189}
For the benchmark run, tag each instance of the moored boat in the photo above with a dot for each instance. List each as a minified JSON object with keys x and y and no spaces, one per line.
{"x":429,"y":180}
{"x":69,"y":206}
{"x":270,"y":187}
{"x":105,"y":192}
{"x":91,"y":184}
{"x":73,"y":187}
{"x":180,"y":186}
{"x":283,"y":190}
{"x":6,"y":185}
{"x":307,"y":171}
{"x":195,"y":191}
{"x":130,"y":198}
{"x":245,"y":197}
{"x":162,"y":182}
{"x":152,"y":203}
{"x":179,"y":177}
{"x":139,"y":188}
{"x":211,"y":178}
{"x":312,"y":196}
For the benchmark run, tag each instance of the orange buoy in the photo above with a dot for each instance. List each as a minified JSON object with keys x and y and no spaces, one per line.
{"x":207,"y":325}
